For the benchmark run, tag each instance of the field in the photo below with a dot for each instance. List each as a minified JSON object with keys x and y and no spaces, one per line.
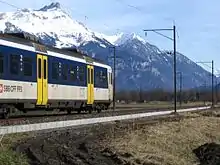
{"x":168,"y":142}
{"x":159,"y":104}
{"x":152,"y":141}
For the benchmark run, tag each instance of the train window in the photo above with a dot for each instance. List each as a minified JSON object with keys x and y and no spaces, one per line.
{"x":92,"y":76}
{"x":97,"y":78}
{"x":1,"y":64}
{"x":65,"y":71}
{"x":101,"y":76}
{"x":73,"y":74}
{"x":45,"y":69}
{"x":14,"y":64}
{"x":81,"y":73}
{"x":39,"y":68}
{"x":104,"y":77}
{"x":55,"y":70}
{"x":27,"y":62}
{"x":111,"y":79}
{"x":88,"y":75}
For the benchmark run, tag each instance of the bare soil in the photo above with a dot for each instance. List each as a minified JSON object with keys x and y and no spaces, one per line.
{"x":208,"y":153}
{"x":84,"y":145}
{"x":173,"y":140}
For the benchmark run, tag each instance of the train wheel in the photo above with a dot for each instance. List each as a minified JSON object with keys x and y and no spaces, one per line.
{"x":79,"y":111}
{"x":5,"y":115}
{"x":90,"y":109}
{"x":69,"y":111}
{"x":6,"y":112}
{"x":106,"y":107}
{"x":99,"y":110}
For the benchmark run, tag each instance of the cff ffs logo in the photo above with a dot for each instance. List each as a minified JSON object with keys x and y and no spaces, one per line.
{"x":10,"y":88}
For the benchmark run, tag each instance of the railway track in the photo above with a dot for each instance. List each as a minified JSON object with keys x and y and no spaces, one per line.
{"x":42,"y":116}
{"x":56,"y":125}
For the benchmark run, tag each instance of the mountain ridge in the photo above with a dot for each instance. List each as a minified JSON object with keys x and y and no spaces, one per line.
{"x":139,"y":63}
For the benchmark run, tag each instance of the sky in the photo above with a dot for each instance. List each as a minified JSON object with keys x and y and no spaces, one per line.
{"x":197,"y":21}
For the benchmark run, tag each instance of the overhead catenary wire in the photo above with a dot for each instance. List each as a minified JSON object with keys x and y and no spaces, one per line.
{"x":86,"y":17}
{"x":66,"y":8}
{"x":205,"y":66}
{"x":9,"y":4}
{"x":131,"y":6}
{"x":71,"y":10}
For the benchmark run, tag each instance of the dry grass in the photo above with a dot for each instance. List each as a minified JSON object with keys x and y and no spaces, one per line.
{"x":159,"y":104}
{"x":169,"y":143}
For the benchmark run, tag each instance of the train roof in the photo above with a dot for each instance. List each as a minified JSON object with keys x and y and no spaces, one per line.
{"x":30,"y":40}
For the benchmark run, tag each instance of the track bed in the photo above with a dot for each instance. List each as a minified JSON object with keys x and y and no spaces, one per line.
{"x":42,"y":116}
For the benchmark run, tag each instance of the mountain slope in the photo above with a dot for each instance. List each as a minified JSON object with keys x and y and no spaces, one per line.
{"x":49,"y":21}
{"x":138,"y":62}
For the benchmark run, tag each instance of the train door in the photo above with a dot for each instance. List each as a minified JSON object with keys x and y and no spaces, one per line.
{"x":90,"y":84}
{"x":42,"y":80}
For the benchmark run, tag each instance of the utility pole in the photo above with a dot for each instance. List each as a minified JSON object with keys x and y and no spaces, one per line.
{"x":212,"y":67}
{"x":180,"y":86}
{"x":205,"y":92}
{"x":216,"y":91}
{"x":212,"y":84}
{"x":140,"y":93}
{"x":174,"y":57}
{"x":114,"y":76}
{"x":174,"y":68}
{"x":114,"y":99}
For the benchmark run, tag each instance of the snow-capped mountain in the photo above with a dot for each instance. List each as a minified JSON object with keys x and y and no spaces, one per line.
{"x":48,"y":22}
{"x":138,"y":64}
{"x":121,"y":38}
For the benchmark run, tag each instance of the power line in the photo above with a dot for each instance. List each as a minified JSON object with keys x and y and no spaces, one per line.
{"x":174,"y":53}
{"x":216,"y":71}
{"x":14,"y":6}
{"x":131,"y":6}
{"x":207,"y":66}
{"x":70,"y":10}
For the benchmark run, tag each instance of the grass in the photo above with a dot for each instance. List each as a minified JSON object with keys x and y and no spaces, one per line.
{"x":7,"y":155}
{"x":169,"y":143}
{"x":159,"y":104}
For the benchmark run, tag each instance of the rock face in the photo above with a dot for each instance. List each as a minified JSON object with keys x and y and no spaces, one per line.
{"x":139,"y":64}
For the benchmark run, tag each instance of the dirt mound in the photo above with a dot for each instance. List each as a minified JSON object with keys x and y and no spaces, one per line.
{"x":208,"y":154}
{"x":89,"y":145}
{"x":72,"y":147}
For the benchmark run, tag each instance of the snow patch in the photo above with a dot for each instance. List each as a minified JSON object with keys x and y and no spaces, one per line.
{"x":102,"y":45}
{"x":123,"y":38}
{"x":155,"y":71}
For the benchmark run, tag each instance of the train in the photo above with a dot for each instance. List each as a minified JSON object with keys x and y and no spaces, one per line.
{"x":35,"y":76}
